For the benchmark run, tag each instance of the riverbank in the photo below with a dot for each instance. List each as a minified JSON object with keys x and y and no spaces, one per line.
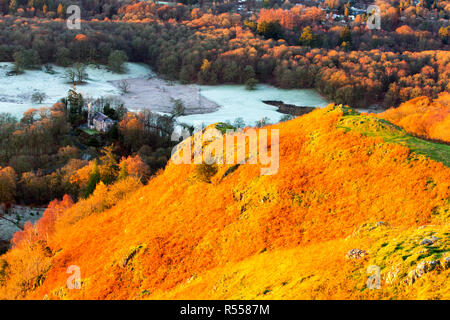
{"x":238,"y":102}
{"x":158,"y":95}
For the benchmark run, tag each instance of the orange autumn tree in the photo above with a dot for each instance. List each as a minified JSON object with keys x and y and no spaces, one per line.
{"x":423,"y":117}
{"x":45,"y":226}
{"x":135,"y":167}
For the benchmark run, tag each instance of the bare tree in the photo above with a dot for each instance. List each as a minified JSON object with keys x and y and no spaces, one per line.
{"x":38,"y":97}
{"x":77,"y":73}
{"x":80,"y":69}
{"x":71,"y":75}
{"x":124,"y":86}
{"x":178,"y":109}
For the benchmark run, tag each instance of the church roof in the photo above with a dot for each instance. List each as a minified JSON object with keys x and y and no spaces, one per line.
{"x":102,"y":117}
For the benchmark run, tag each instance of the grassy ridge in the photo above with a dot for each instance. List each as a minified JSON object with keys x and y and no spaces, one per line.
{"x":375,"y":127}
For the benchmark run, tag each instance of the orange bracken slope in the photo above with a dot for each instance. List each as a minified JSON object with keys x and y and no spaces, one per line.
{"x":244,"y":235}
{"x":423,"y":117}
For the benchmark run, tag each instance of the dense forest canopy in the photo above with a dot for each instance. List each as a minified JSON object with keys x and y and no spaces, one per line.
{"x":297,"y":46}
{"x":41,"y":154}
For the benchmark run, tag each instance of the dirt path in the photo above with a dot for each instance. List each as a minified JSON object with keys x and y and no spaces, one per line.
{"x":159,"y":95}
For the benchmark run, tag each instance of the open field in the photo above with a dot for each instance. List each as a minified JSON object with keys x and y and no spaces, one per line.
{"x":16,"y":91}
{"x":159,"y":95}
{"x":204,"y":104}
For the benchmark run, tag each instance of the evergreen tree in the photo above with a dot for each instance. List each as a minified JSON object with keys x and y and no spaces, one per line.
{"x":123,"y":173}
{"x":94,"y":179}
{"x":249,"y":73}
{"x":75,"y":104}
{"x":116,"y":61}
{"x":26,"y":59}
{"x":251,"y":83}
{"x":109,"y":165}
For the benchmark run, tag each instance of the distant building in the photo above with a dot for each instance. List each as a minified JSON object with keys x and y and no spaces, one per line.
{"x":99,"y":121}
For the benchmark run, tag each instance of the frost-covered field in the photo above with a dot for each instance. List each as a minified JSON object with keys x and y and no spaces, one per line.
{"x":234,"y":100}
{"x":21,"y":214}
{"x":159,"y":96}
{"x":16,"y":91}
{"x":237,"y":102}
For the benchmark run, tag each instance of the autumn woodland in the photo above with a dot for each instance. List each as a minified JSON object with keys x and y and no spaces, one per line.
{"x":358,"y":208}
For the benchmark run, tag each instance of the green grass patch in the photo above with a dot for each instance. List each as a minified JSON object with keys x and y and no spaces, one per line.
{"x":223,"y":127}
{"x":375,"y":127}
{"x":89,"y":132}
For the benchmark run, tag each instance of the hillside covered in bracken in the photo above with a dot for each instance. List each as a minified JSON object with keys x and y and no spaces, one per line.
{"x":353,"y":193}
{"x":423,"y":117}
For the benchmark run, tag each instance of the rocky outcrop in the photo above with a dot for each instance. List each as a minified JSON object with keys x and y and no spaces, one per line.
{"x":425,"y":267}
{"x":429,"y":241}
{"x":356,"y":254}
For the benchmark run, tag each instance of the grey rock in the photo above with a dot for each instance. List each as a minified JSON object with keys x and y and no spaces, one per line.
{"x":429,"y":241}
{"x":422,"y":268}
{"x":355,"y":254}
